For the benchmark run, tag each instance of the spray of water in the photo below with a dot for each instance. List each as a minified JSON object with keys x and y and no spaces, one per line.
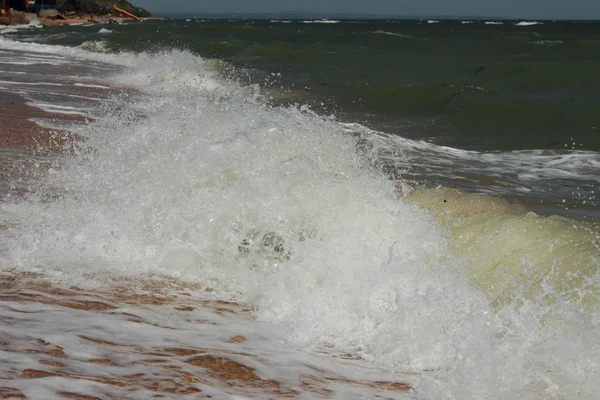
{"x":194,"y":176}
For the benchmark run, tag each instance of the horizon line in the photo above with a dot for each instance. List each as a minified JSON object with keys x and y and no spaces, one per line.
{"x":356,"y":16}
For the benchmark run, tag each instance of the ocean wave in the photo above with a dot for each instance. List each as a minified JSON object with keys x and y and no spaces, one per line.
{"x":549,"y":176}
{"x":195,"y":176}
{"x":393,"y":34}
{"x":548,"y":42}
{"x":55,"y":50}
{"x":8,"y":30}
{"x":94,"y":46}
{"x":528,"y":23}
{"x":321,"y":21}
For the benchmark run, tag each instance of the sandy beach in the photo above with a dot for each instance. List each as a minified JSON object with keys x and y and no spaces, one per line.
{"x":152,"y":337}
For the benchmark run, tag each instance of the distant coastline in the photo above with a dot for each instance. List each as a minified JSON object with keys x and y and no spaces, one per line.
{"x":74,"y":11}
{"x":99,"y":7}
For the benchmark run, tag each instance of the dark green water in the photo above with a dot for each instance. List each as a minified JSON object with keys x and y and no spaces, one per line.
{"x":474,"y":86}
{"x":505,"y":108}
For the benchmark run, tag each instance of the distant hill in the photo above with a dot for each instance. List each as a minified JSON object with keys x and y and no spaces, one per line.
{"x":98,"y":7}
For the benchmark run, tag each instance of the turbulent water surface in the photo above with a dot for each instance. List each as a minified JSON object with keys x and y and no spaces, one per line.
{"x":419,"y":194}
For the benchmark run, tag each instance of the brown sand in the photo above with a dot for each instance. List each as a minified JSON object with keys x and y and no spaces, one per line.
{"x":19,"y":132}
{"x":21,"y":140}
{"x":176,"y":369}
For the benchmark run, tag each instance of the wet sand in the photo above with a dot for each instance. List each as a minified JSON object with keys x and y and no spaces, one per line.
{"x":108,"y":365}
{"x":19,"y":132}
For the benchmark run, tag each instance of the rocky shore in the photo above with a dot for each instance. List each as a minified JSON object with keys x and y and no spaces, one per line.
{"x":73,"y":11}
{"x":98,"y":7}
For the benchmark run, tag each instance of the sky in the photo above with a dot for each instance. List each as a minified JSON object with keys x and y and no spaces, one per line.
{"x":540,"y":9}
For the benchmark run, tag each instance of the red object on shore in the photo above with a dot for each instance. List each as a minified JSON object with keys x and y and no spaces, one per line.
{"x":125,"y":13}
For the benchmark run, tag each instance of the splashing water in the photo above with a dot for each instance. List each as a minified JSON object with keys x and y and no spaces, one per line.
{"x":195,"y":176}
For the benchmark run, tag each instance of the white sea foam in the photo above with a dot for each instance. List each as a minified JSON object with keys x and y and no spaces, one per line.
{"x":528,"y":23}
{"x":17,"y":83}
{"x":15,"y":28}
{"x":54,"y":124}
{"x":393,"y":34}
{"x":64,"y":51}
{"x":96,"y":46}
{"x":58,"y":109}
{"x":197,"y":178}
{"x":494,"y":23}
{"x":34,"y":59}
{"x":548,"y":42}
{"x":322,"y":21}
{"x":540,"y":173}
{"x":90,"y":85}
{"x":8,"y":30}
{"x":152,"y":330}
{"x":12,"y":72}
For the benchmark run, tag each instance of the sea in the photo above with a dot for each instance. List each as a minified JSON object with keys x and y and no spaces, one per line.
{"x":419,"y":196}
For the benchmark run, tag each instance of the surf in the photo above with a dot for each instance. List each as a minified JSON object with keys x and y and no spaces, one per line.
{"x":195,"y":176}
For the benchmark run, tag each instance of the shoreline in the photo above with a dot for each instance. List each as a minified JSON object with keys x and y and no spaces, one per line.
{"x":35,"y":117}
{"x":24,"y":143}
{"x":105,"y":364}
{"x":30,"y":18}
{"x":95,"y":20}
